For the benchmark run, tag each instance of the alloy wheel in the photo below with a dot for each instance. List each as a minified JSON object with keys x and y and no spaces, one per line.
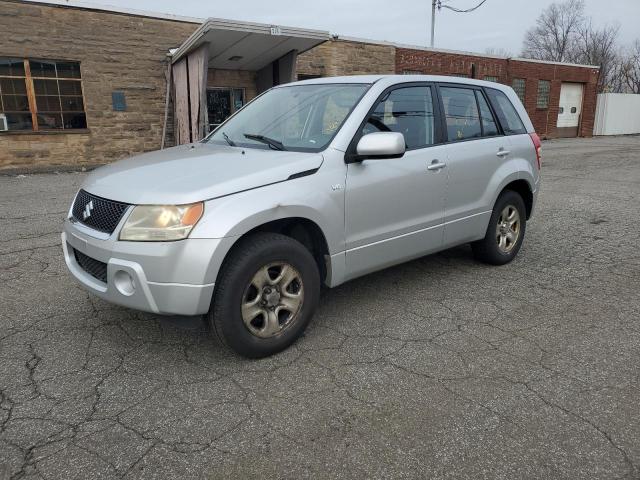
{"x":508,"y":229}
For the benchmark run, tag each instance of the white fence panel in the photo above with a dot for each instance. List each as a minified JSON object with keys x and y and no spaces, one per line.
{"x":617,"y":114}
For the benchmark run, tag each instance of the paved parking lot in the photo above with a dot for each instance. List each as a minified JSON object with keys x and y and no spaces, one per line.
{"x":439,"y":368}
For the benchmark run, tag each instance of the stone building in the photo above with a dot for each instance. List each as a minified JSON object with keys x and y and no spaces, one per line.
{"x":85,"y":85}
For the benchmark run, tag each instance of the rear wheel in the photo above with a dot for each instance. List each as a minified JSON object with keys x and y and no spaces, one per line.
{"x":266,"y":294}
{"x":505,"y":232}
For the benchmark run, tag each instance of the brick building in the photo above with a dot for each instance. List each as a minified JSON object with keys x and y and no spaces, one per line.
{"x":84,"y":85}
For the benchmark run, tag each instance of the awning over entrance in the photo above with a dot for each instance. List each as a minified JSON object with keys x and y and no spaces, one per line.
{"x":248,"y":46}
{"x":269,"y":50}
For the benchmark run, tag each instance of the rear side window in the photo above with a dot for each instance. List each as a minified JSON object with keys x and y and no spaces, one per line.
{"x":407,"y":110}
{"x":461,"y":113}
{"x":507,"y":114}
{"x":489,"y":127}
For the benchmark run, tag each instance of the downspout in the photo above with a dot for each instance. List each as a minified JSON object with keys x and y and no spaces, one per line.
{"x":167,"y":97}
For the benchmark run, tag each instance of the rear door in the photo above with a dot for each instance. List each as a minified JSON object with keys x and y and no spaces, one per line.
{"x":476,"y":147}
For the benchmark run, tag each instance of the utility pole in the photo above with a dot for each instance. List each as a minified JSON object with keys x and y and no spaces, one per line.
{"x":441,"y":4}
{"x":433,"y":20}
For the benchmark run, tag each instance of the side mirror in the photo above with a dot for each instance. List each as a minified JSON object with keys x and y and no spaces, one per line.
{"x":380,"y":145}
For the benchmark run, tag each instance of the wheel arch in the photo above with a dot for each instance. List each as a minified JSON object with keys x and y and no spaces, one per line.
{"x":522,"y":188}
{"x":303,"y":229}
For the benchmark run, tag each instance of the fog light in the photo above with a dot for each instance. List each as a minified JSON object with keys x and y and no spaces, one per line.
{"x":124,"y":283}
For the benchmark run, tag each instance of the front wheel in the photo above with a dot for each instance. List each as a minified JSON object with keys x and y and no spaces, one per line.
{"x":266,"y":294}
{"x":505,"y":232}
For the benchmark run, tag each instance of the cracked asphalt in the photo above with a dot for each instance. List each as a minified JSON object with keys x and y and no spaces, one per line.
{"x":439,"y":368}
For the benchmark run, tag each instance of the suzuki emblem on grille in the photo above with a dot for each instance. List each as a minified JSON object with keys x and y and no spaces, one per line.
{"x":87,"y":210}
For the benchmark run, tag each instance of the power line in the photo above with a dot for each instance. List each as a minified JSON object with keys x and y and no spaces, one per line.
{"x":457,"y":10}
{"x":440,"y":4}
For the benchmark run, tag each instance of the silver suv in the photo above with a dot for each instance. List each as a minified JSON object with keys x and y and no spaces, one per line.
{"x":313,"y":182}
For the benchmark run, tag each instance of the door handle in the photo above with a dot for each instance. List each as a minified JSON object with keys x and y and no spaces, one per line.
{"x":503,"y":153}
{"x":436,"y":165}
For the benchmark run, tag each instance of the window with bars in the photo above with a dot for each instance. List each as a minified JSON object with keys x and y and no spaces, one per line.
{"x":544,"y":89}
{"x":491,"y":78}
{"x":519,"y":86}
{"x":41,"y":95}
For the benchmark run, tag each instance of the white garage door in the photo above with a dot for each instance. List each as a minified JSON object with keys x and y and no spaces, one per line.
{"x":570,"y":108}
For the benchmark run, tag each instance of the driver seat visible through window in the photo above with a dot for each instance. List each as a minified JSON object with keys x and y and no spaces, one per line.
{"x":408,"y":111}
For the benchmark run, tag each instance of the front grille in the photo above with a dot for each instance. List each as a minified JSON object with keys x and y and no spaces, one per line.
{"x":103,"y":215}
{"x":93,"y":267}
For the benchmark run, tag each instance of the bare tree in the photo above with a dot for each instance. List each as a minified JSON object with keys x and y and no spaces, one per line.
{"x":630,"y":69}
{"x":498,"y":52}
{"x":597,"y":46}
{"x":555,"y":31}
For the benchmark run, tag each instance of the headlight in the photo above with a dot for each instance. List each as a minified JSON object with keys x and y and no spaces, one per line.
{"x":160,"y":223}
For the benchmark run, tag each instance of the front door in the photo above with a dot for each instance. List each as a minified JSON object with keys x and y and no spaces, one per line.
{"x":394,"y":208}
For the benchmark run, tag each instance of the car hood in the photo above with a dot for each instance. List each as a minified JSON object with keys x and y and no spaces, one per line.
{"x":195,"y":172}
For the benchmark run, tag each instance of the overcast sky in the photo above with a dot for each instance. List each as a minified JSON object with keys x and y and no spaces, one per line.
{"x":497,"y":24}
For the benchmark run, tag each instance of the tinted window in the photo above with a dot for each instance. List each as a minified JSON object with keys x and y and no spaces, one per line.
{"x":489,"y":127}
{"x":507,"y":115}
{"x":461,"y":113}
{"x":408,"y":111}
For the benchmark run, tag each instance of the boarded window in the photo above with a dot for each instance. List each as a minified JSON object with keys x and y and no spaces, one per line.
{"x":519,"y":85}
{"x":544,"y":87}
{"x":41,"y":94}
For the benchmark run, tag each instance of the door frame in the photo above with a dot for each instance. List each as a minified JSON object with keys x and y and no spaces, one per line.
{"x":571,"y":132}
{"x":350,"y":156}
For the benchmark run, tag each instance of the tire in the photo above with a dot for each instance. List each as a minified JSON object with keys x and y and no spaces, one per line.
{"x":253,"y":312}
{"x":496,"y":248}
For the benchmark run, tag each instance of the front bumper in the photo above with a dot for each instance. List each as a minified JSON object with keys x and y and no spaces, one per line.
{"x":170,"y":278}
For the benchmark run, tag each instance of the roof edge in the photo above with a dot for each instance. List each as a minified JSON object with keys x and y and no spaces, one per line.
{"x":456,"y":52}
{"x":83,"y":5}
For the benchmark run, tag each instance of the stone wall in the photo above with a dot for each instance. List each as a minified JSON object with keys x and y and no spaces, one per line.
{"x":116,"y":52}
{"x":341,"y":57}
{"x":234,"y":78}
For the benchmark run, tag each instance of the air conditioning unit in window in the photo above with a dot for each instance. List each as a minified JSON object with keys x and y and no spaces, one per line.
{"x":4,"y":126}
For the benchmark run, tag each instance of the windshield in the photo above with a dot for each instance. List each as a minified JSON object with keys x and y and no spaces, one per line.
{"x":301,"y":118}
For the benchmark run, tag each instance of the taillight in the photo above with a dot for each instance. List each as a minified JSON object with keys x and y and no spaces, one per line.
{"x":538,"y":146}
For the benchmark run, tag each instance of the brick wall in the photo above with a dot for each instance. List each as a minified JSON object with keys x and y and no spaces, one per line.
{"x":116,"y":52}
{"x":544,"y":120}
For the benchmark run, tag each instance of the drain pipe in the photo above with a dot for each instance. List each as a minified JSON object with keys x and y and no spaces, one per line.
{"x":167,"y":97}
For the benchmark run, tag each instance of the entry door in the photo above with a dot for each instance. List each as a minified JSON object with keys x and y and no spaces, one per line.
{"x":570,"y":109}
{"x":394,"y":208}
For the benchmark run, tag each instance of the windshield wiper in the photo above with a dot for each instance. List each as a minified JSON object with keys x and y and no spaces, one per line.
{"x":275,"y":144}
{"x":229,"y":141}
